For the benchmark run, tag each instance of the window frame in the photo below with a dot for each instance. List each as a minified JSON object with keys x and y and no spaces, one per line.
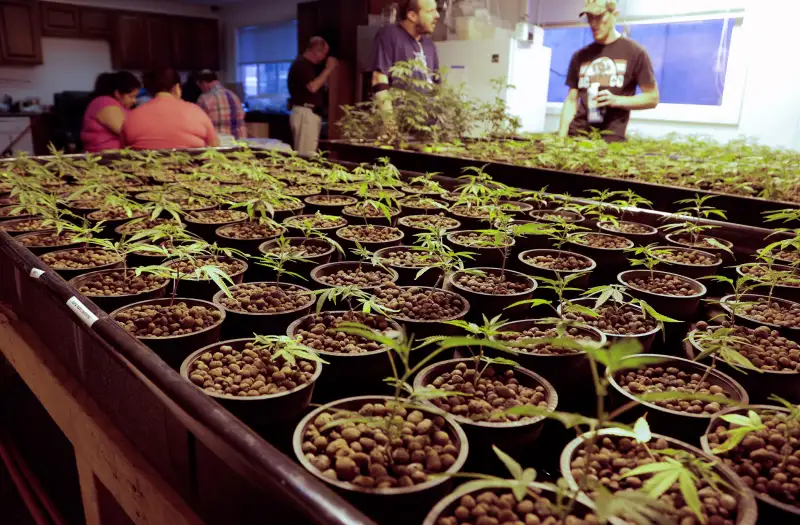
{"x":729,"y":112}
{"x":239,"y":73}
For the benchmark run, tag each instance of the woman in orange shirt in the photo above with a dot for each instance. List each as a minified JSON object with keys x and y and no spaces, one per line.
{"x":167,"y":122}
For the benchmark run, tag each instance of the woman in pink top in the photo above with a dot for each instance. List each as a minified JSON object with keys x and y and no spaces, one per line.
{"x":114,"y":96}
{"x":167,"y":122}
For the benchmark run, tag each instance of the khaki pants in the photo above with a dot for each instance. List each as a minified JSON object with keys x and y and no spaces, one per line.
{"x":306,"y":126}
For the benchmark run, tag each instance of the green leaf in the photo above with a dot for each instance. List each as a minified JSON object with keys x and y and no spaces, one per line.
{"x":688,"y":396}
{"x":642,"y":431}
{"x":737,"y":419}
{"x":650,"y":468}
{"x":661,"y":482}
{"x":513,"y":467}
{"x":689,"y":492}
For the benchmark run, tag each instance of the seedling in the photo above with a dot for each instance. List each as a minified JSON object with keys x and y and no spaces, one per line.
{"x":441,"y":255}
{"x":647,"y":256}
{"x":351,"y":294}
{"x":200,"y":273}
{"x":287,"y":348}
{"x":617,"y":296}
{"x":277,"y":260}
{"x":722,"y":343}
{"x":694,"y":211}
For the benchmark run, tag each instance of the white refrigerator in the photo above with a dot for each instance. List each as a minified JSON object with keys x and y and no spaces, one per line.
{"x":523,"y":64}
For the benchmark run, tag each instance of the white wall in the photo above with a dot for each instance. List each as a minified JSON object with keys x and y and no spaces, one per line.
{"x":770,"y":112}
{"x":69,"y":65}
{"x":250,"y":13}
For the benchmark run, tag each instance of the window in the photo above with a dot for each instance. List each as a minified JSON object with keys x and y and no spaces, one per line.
{"x":264,"y":55}
{"x":696,"y":63}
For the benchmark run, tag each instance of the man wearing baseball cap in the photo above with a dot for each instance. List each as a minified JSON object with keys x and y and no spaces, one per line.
{"x":603,"y":78}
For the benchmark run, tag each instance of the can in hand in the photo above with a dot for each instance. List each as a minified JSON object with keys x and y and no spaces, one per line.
{"x":595,"y":115}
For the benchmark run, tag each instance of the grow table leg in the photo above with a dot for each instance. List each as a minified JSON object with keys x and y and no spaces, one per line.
{"x":103,"y":454}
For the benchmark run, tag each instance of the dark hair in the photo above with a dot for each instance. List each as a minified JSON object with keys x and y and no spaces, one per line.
{"x":206,"y":76}
{"x":161,"y":80}
{"x":316,"y":43}
{"x":406,"y":6}
{"x":107,"y":84}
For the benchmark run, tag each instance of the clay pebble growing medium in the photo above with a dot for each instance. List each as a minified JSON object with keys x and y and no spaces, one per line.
{"x":662,"y":284}
{"x":486,"y":395}
{"x":369,"y":233}
{"x":217,"y":216}
{"x":542,"y":332}
{"x":318,"y":331}
{"x":765,"y":348}
{"x":693,"y":257}
{"x":423,"y":222}
{"x":408,"y":258}
{"x":767,"y":460}
{"x":166,"y":320}
{"x":80,"y":258}
{"x":248,"y":231}
{"x":49,"y":238}
{"x":628,"y":227}
{"x":766,"y":310}
{"x":566,"y":263}
{"x":672,"y":379}
{"x":488,"y":507}
{"x":699,"y":241}
{"x":474,"y":239}
{"x":185,"y":267}
{"x":788,"y":276}
{"x":331,"y":200}
{"x":600,"y":240}
{"x":616,"y":320}
{"x":357,"y":276}
{"x":25,"y":225}
{"x":362,"y":209}
{"x":315,"y":221}
{"x":137,"y":225}
{"x":302,"y":249}
{"x":612,"y":457}
{"x":490,"y":283}
{"x":119,"y":282}
{"x":251,"y":372}
{"x":268,"y":298}
{"x":422,"y":304}
{"x":366,"y":457}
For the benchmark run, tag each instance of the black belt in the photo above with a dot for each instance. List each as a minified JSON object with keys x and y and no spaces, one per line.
{"x":316,"y":109}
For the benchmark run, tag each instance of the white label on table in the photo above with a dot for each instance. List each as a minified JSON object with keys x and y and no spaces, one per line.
{"x":81,"y":311}
{"x":36,"y":273}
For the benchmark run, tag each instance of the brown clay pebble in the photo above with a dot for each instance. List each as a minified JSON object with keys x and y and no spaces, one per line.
{"x":480,"y":240}
{"x":387,"y":464}
{"x":627,"y":227}
{"x":151,"y":320}
{"x":616,"y":320}
{"x":315,"y":221}
{"x":662,"y":284}
{"x":217,"y":216}
{"x":266,"y":298}
{"x":79,"y":258}
{"x":672,"y":379}
{"x":488,"y":395}
{"x":769,"y":454}
{"x":566,"y":261}
{"x":118,"y":282}
{"x":251,"y":372}
{"x":686,"y":256}
{"x":407,"y":258}
{"x":767,"y":349}
{"x":603,"y":241}
{"x":315,"y":332}
{"x":424,"y":222}
{"x":370,"y":233}
{"x":52,"y":238}
{"x":613,"y":456}
{"x":249,"y":231}
{"x":544,"y":331}
{"x":420,"y":303}
{"x":491,"y":283}
{"x":357,"y":275}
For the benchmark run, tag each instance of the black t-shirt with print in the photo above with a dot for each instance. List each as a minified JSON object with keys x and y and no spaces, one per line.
{"x":619,"y":67}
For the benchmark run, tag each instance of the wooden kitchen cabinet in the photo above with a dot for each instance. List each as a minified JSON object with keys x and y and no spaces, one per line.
{"x":182,"y":45}
{"x":61,"y":20}
{"x":20,"y":32}
{"x":131,"y":49}
{"x":96,"y":23}
{"x":159,"y":42}
{"x":206,"y":49}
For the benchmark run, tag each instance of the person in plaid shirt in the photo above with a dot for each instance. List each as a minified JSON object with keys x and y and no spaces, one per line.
{"x":222,"y":106}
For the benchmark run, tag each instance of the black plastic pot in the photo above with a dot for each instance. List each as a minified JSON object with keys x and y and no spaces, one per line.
{"x":675,"y":306}
{"x":408,"y":209}
{"x":789,"y":332}
{"x":297,"y":209}
{"x":642,"y":239}
{"x":266,"y":413}
{"x":315,"y":204}
{"x":407,"y":275}
{"x":759,"y":386}
{"x":747,"y":511}
{"x":610,"y":261}
{"x":109,"y":303}
{"x":581,"y":282}
{"x":331,"y":268}
{"x":347,"y":374}
{"x":261,"y":273}
{"x":411,"y":231}
{"x":568,"y":215}
{"x":646,"y":339}
{"x":245,"y":245}
{"x":570,"y":374}
{"x":791,"y":293}
{"x":40,"y":249}
{"x":296,"y":232}
{"x":681,"y":425}
{"x":208,"y":230}
{"x":110,"y":225}
{"x":4,"y":218}
{"x":174,"y":349}
{"x":395,"y":506}
{"x":469,"y":222}
{"x":381,"y":220}
{"x":512,"y":437}
{"x":448,"y":504}
{"x":241,"y":324}
{"x":70,"y":273}
{"x":426,"y":328}
{"x":206,"y":288}
{"x":694,"y":271}
{"x":770,"y":510}
{"x":493,"y":304}
{"x":727,"y":258}
{"x":484,"y":257}
{"x":350,"y":244}
{"x":516,"y":209}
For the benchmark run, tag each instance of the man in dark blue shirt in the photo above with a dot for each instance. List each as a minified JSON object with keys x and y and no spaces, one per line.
{"x":409,"y":39}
